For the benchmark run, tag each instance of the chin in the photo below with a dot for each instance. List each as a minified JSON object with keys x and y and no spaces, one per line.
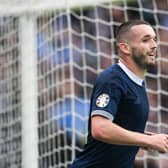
{"x":151,"y":63}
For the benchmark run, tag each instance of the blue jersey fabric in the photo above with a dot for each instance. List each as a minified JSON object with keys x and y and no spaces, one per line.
{"x":128,"y":107}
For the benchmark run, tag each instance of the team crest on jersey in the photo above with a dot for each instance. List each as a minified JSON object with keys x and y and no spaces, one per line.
{"x":103,"y":100}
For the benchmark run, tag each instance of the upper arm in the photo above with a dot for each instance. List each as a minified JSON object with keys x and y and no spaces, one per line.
{"x":104,"y":105}
{"x":106,"y":97}
{"x":98,"y":125}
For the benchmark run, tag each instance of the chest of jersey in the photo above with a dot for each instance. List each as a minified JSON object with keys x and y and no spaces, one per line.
{"x":133,"y":109}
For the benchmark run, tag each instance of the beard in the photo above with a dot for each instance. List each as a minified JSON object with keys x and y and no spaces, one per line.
{"x":141,"y":59}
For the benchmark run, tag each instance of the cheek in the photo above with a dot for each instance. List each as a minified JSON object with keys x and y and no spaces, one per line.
{"x":140,"y":51}
{"x":139,"y":47}
{"x":143,"y":50}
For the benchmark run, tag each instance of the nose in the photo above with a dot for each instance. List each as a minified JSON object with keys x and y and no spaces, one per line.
{"x":153,"y":44}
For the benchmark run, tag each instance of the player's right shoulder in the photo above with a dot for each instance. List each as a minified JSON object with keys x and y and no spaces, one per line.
{"x":109,"y":73}
{"x":111,"y":77}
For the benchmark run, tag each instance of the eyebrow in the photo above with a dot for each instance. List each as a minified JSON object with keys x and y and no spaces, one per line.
{"x":149,"y":36}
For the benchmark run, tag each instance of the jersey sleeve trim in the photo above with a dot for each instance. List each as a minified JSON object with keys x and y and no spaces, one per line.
{"x":103,"y":113}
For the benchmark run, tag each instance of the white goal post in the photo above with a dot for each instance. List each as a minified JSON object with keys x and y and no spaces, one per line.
{"x":22,"y":6}
{"x":50,"y":54}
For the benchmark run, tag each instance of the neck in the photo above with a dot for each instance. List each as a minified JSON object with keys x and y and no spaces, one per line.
{"x":133,"y":67}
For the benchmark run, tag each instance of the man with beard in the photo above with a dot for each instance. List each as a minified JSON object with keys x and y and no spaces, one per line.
{"x":119,"y":104}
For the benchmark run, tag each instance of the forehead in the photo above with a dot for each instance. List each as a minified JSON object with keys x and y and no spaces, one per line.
{"x":143,"y":30}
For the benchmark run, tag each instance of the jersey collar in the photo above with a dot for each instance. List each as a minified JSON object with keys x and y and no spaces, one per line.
{"x":130,"y":74}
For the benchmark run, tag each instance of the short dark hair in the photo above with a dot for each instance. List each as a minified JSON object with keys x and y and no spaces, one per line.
{"x":126,"y":26}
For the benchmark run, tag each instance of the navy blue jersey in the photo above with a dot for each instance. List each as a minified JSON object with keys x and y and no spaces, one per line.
{"x":122,"y":100}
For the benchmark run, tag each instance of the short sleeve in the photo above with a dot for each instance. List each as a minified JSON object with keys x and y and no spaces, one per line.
{"x":106,"y":97}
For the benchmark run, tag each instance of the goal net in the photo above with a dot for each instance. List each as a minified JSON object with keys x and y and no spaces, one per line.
{"x":50,"y":55}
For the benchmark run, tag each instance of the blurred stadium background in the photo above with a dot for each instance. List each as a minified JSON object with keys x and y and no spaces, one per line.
{"x":50,"y":54}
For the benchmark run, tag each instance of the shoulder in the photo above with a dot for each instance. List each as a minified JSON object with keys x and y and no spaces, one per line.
{"x":112,"y":74}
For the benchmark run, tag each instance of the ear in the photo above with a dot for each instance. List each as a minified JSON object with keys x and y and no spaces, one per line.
{"x":124,"y":48}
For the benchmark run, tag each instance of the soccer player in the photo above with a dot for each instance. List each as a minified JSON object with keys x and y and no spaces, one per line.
{"x":119,"y":104}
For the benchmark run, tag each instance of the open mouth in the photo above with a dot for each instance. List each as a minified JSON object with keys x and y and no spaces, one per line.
{"x":151,"y":55}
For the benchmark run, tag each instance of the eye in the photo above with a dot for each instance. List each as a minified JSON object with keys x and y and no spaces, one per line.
{"x":145,"y":40}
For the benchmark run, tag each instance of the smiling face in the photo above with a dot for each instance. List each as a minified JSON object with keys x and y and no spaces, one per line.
{"x":142,"y":44}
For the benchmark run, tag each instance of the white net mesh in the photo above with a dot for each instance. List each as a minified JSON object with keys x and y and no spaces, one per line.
{"x":73,"y":46}
{"x":10,"y":94}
